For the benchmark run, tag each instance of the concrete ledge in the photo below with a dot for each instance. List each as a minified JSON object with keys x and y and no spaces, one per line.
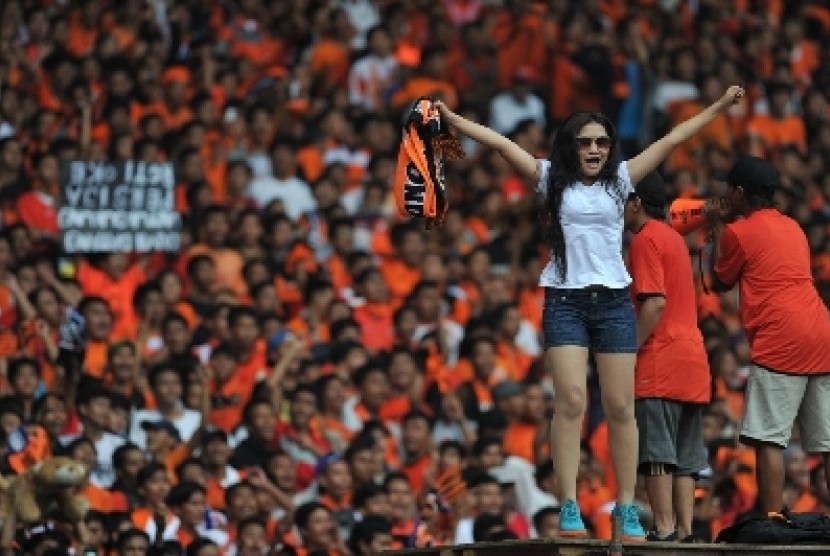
{"x":583,"y":547}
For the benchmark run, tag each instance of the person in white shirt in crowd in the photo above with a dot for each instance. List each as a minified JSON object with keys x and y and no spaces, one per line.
{"x":371,"y":76}
{"x":518,"y":103}
{"x":166,"y":385}
{"x":94,"y":408}
{"x":284,"y":185}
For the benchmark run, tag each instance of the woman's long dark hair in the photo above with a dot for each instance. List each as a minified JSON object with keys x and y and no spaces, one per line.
{"x":565,"y":172}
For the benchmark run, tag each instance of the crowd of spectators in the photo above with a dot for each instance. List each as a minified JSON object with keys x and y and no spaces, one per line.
{"x":296,"y":377}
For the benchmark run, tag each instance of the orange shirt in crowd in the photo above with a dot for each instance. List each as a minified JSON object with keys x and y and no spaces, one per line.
{"x":717,"y":133}
{"x":416,"y":473}
{"x":174,"y":459}
{"x":400,"y":278}
{"x":216,"y":491}
{"x":228,"y":263}
{"x":660,"y":265}
{"x":118,"y":293}
{"x":395,"y":408}
{"x":330,"y":59}
{"x":520,"y":439}
{"x":104,"y":501}
{"x":256,"y":366}
{"x":95,"y":358}
{"x":775,"y":133}
{"x":418,"y":87}
{"x":786,"y":321}
{"x":229,"y":398}
{"x":376,"y":323}
{"x":592,"y":495}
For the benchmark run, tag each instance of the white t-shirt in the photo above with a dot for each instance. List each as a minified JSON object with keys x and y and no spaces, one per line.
{"x":103,"y":476}
{"x":369,"y":78}
{"x":592,"y":224}
{"x":293,"y":192}
{"x":506,"y":111}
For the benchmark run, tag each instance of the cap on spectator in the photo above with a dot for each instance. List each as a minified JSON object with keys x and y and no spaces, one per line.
{"x":279,"y":338}
{"x":507,"y":389}
{"x":162,"y":425}
{"x":324,"y":463}
{"x":652,"y":191}
{"x":754,"y":175}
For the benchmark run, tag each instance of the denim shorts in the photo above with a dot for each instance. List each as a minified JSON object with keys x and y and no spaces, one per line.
{"x":600,"y":319}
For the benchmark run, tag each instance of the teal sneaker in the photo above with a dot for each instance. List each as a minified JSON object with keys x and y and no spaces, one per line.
{"x":570,"y":520}
{"x":629,"y":518}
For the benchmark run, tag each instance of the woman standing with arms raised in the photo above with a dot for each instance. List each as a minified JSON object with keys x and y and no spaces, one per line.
{"x":587,"y":305}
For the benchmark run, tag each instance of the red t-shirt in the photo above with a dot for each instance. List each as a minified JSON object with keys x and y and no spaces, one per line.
{"x":672,"y":362}
{"x":38,"y":212}
{"x":377,"y":326}
{"x":786,"y":322}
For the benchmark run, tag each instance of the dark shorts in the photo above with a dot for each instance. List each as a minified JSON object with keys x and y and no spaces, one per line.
{"x":671,"y":434}
{"x":602,"y":320}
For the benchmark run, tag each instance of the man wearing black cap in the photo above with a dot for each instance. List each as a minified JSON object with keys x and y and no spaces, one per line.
{"x":787,"y":324}
{"x":672,"y":379}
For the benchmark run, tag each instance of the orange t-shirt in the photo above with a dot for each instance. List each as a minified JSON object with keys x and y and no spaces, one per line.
{"x":786,"y":322}
{"x":660,"y":265}
{"x":256,"y":366}
{"x":228,"y":263}
{"x":416,"y":473}
{"x":103,"y":500}
{"x":95,"y":359}
{"x":175,"y":458}
{"x":229,"y":399}
{"x":775,"y":133}
{"x":216,"y":489}
{"x":519,"y":440}
{"x":118,"y":293}
{"x":417,"y":87}
{"x":377,"y":326}
{"x":400,"y":279}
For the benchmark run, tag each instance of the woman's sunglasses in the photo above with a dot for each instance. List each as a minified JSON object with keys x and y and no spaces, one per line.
{"x":601,"y":142}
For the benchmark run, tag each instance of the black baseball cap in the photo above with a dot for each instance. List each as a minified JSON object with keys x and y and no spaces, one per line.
{"x":507,"y":389}
{"x":162,"y":425}
{"x":754,"y":175}
{"x":652,"y":191}
{"x":212,"y":435}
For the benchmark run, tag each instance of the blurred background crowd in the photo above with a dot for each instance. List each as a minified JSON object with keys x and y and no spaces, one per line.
{"x":296,"y":377}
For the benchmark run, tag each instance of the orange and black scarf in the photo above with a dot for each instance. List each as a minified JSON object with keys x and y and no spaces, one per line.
{"x":420,"y":190}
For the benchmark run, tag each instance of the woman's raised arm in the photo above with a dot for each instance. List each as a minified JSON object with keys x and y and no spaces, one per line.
{"x":522,"y":161}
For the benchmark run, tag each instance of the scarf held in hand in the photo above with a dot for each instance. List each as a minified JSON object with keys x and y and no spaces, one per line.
{"x":420,"y":190}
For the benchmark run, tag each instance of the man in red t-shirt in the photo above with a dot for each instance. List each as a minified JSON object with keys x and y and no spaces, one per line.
{"x":672,"y":379}
{"x":788,"y":326}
